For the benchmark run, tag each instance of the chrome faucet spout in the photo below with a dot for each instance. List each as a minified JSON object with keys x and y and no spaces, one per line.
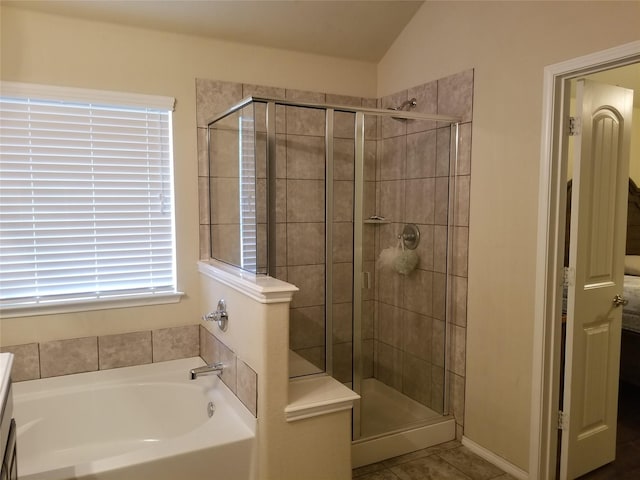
{"x":206,"y":370}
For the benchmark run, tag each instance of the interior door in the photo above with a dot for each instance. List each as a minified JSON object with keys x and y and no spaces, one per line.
{"x":596,"y":260}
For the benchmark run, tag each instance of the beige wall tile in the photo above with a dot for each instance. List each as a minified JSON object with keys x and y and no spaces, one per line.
{"x":416,"y":335}
{"x":342,"y":201}
{"x":305,"y":243}
{"x":176,"y":342}
{"x":207,"y":345}
{"x":205,"y":245}
{"x":390,"y":287}
{"x":392,"y":160}
{"x":460,"y":251}
{"x":461,"y":212}
{"x":416,"y":379}
{"x":64,"y":357}
{"x":392,"y":200}
{"x":388,"y":365}
{"x":455,"y":95}
{"x":456,"y":397}
{"x":437,"y":388}
{"x":418,"y":292}
{"x":213,"y":97}
{"x":421,"y":155}
{"x":305,"y":121}
{"x":247,"y":386}
{"x":426,"y":96}
{"x":420,"y":198}
{"x":305,"y":201}
{"x":441,"y":207}
{"x":390,"y":126}
{"x":459,"y":294}
{"x":315,"y":355}
{"x":390,"y":325}
{"x":342,"y":282}
{"x":343,"y":362}
{"x":425,"y":248}
{"x":306,"y":327}
{"x":305,"y":157}
{"x":367,"y":358}
{"x":225,"y":207}
{"x":203,"y":201}
{"x":249,"y":90}
{"x":225,"y":355}
{"x":439,"y":296}
{"x":203,"y":157}
{"x":437,"y":342}
{"x":457,"y":349}
{"x":310,"y":280}
{"x":344,"y":158}
{"x":26,"y":361}
{"x":443,"y":150}
{"x":464,"y":150}
{"x":440,"y":248}
{"x":343,"y":242}
{"x":224,"y":153}
{"x":342,"y":322}
{"x":124,"y":350}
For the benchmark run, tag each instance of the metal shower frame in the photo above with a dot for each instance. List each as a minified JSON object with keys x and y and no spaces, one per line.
{"x":358,"y":220}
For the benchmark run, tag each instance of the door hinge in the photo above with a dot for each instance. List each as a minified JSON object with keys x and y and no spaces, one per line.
{"x":574,"y":126}
{"x":568,"y":276}
{"x":561,"y":420}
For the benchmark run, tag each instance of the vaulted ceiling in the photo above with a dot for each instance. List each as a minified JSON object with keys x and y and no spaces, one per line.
{"x":360,"y":30}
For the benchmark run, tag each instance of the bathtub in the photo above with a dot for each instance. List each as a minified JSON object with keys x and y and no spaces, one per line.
{"x":134,"y":423}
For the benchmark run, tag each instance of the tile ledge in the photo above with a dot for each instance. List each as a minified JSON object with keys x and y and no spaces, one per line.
{"x":318,"y":395}
{"x":261,"y":288}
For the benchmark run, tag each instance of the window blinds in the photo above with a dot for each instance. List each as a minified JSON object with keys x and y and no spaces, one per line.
{"x":86,"y":200}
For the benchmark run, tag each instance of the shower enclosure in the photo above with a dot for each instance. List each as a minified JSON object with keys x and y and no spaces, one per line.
{"x":354,"y":205}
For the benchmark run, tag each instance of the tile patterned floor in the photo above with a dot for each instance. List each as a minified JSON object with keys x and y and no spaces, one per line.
{"x":448,"y":461}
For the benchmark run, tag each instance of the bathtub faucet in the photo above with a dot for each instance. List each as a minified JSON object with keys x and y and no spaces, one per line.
{"x":206,"y":370}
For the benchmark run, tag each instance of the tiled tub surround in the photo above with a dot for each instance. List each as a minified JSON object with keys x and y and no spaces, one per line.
{"x":406,"y":169}
{"x":88,"y":354}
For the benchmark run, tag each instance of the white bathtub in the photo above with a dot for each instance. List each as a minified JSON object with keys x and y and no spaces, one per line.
{"x":134,"y":423}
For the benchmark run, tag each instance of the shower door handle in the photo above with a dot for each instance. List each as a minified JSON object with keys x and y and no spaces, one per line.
{"x":366,"y":280}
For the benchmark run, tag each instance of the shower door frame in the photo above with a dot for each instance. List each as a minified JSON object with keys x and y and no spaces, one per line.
{"x":358,"y":218}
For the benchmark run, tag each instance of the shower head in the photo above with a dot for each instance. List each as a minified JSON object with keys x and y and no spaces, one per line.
{"x":407,"y":103}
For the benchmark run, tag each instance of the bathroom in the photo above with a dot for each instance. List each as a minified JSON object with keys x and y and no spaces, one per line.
{"x":45,"y":48}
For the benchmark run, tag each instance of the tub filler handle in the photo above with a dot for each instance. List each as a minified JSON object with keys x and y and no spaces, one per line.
{"x":216,"y":368}
{"x":220,"y":316}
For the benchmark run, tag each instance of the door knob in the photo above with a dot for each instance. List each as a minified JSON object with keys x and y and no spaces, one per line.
{"x":619,"y":300}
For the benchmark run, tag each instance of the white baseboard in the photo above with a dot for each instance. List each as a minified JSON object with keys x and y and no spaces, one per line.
{"x":498,"y":461}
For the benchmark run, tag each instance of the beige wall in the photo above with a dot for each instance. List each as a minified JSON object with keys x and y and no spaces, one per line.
{"x":508,"y":44}
{"x":46,"y":49}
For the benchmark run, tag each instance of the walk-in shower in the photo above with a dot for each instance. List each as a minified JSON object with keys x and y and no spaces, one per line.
{"x":355,"y":207}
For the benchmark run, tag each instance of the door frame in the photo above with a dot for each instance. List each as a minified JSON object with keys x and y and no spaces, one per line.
{"x":545,"y":388}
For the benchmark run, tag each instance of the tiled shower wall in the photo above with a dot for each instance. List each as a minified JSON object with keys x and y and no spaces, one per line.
{"x":412,"y":187}
{"x":406,"y":169}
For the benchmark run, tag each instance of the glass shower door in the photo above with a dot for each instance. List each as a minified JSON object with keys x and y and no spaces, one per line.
{"x":401,"y":180}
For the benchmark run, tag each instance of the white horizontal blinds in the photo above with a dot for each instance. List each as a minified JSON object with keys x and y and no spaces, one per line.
{"x":247,"y":159}
{"x":85,"y":201}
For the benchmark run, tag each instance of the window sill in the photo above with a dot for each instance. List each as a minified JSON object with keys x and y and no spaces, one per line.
{"x":71,"y":306}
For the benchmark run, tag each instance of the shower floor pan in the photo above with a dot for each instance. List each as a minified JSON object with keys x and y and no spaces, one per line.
{"x":392,"y":424}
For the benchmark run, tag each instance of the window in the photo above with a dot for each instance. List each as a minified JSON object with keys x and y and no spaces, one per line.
{"x":86,"y":198}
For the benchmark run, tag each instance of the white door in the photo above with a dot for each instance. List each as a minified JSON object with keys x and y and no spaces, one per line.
{"x":596,"y":258}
